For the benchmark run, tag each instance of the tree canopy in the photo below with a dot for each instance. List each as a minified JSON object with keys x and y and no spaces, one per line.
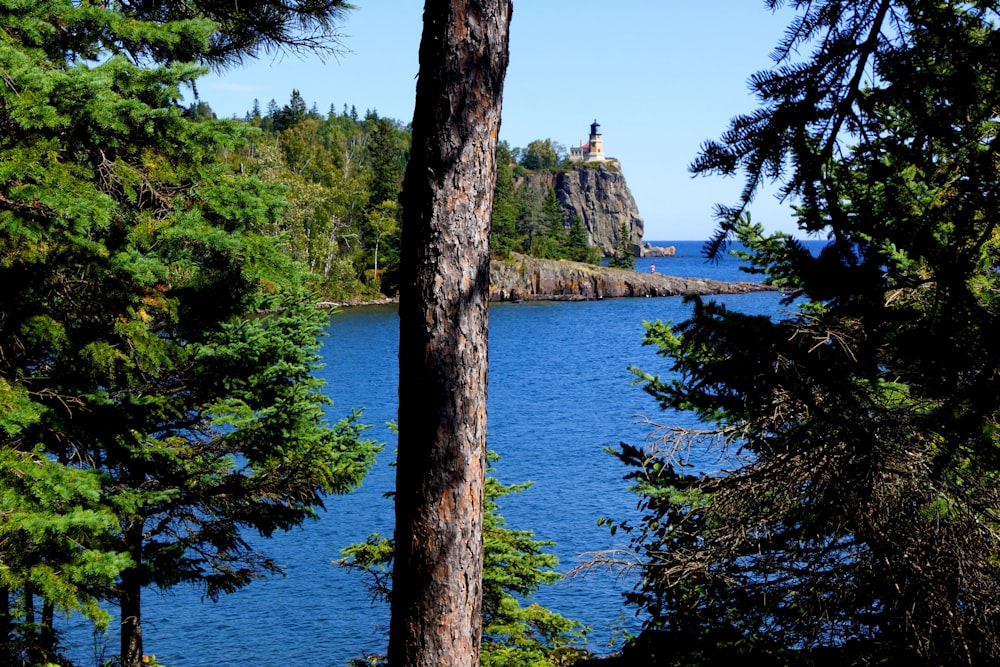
{"x":157,"y":401}
{"x":860,"y":511}
{"x":543,"y":154}
{"x":238,"y":31}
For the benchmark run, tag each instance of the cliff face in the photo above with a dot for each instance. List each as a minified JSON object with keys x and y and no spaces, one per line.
{"x":600,"y":196}
{"x":526,"y":278}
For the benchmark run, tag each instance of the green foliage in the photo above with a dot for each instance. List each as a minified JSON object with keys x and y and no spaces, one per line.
{"x":552,"y":243}
{"x":543,"y":154}
{"x":342,"y":177}
{"x":503,"y":230}
{"x":383,"y":223}
{"x":515,"y":565}
{"x":577,"y":245}
{"x":236,"y":34}
{"x":858,"y":519}
{"x":387,"y":151}
{"x":157,"y":349}
{"x":624,"y":258}
{"x":533,"y":221}
{"x":52,"y":525}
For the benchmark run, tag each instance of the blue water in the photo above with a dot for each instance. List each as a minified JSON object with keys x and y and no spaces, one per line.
{"x":559,"y":393}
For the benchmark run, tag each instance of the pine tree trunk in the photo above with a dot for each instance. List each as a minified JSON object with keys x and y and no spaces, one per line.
{"x":30,"y":632}
{"x":130,"y":603}
{"x":46,"y":631}
{"x":447,"y":200}
{"x":5,"y":619}
{"x":131,"y":625}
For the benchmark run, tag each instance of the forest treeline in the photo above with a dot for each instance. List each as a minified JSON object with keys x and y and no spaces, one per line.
{"x":342,"y":173}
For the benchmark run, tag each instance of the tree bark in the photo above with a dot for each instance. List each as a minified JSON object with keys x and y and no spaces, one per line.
{"x":46,"y":630}
{"x":130,"y":601}
{"x":130,"y":607}
{"x":447,"y":200}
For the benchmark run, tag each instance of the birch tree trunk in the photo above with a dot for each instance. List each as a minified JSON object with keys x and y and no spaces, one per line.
{"x":447,"y":199}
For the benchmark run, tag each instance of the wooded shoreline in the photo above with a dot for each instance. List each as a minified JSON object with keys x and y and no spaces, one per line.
{"x":524,"y":278}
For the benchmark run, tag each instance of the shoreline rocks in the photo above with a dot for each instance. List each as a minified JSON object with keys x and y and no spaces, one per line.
{"x":524,"y":278}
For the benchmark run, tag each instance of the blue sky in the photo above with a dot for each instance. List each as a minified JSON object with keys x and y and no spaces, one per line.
{"x":659,"y":76}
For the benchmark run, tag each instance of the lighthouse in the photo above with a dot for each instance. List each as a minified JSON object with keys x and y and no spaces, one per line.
{"x":593,"y":151}
{"x":596,"y":152}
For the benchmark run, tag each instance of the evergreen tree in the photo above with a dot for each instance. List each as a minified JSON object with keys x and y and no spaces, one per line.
{"x":624,"y":258}
{"x":273,"y":115}
{"x":53,"y":530}
{"x":236,"y":34}
{"x":860,"y":513}
{"x":530,"y":219}
{"x":200,"y":110}
{"x":295,"y":110}
{"x":553,"y":242}
{"x":386,"y":158}
{"x":503,"y":230}
{"x":578,"y":246}
{"x":515,"y":565}
{"x":289,"y":115}
{"x":156,"y":351}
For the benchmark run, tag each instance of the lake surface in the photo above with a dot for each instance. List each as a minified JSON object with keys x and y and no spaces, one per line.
{"x":560,"y":392}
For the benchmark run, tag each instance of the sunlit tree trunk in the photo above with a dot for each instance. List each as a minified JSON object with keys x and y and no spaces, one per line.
{"x":447,"y":199}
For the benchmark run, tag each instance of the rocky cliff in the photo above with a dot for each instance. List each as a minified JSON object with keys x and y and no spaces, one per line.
{"x":599,"y":194}
{"x":524,"y":278}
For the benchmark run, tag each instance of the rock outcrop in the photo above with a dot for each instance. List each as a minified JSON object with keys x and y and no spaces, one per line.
{"x":524,"y":278}
{"x":649,"y":250}
{"x":599,"y":195}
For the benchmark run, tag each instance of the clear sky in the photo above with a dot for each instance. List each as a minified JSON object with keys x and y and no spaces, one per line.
{"x":660,"y":76}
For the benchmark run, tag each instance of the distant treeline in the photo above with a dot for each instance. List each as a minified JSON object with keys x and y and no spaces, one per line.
{"x":343,"y":173}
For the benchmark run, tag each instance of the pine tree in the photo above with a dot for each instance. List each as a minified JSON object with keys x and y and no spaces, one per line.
{"x":578,"y":246}
{"x":859,"y":516}
{"x":553,"y":241}
{"x":624,"y":258}
{"x":503,"y":227}
{"x":386,"y":158}
{"x":156,"y":350}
